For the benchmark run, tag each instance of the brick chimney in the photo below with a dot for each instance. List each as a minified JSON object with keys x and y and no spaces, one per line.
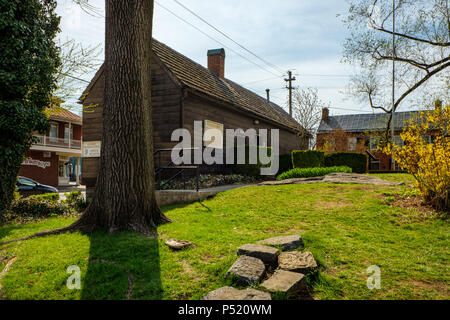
{"x":216,"y":62}
{"x":325,"y":113}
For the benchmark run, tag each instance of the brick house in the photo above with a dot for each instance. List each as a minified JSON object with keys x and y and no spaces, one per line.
{"x":55,"y":159}
{"x":360,"y":133}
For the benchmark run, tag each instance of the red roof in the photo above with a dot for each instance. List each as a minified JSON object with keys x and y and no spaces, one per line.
{"x":61,"y":114}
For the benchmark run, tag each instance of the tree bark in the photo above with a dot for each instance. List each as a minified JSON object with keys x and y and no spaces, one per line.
{"x":125,"y":197}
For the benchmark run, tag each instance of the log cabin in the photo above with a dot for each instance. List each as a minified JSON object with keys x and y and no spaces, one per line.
{"x":184,"y":91}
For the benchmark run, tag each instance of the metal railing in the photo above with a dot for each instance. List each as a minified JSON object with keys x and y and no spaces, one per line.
{"x":57,"y":142}
{"x":177,"y":170}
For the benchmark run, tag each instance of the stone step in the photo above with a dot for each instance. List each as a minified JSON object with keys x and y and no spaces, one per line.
{"x":268,"y":255}
{"x":285,"y":243}
{"x":295,"y":261}
{"x":230,"y":293}
{"x":247,"y":270}
{"x":292,"y":284}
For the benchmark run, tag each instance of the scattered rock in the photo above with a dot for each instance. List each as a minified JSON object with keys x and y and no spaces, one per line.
{"x":269,"y":255}
{"x":286,"y":243}
{"x":295,"y":261}
{"x":247,"y":270}
{"x":290,"y":283}
{"x":229,"y":293}
{"x":178,"y":244}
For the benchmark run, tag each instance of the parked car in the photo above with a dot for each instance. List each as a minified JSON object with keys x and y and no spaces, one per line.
{"x":28,"y":187}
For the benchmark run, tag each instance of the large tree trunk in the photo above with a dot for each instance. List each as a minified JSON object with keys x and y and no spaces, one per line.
{"x":124,"y":197}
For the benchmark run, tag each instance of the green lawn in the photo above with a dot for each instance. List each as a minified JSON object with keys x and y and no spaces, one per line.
{"x":396,"y":177}
{"x":347,"y":227}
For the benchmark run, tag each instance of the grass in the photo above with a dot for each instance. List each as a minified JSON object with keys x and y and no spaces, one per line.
{"x":312,"y":172}
{"x":396,"y":177}
{"x":345,"y":236}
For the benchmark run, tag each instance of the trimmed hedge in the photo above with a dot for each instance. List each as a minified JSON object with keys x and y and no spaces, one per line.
{"x":285,"y":163}
{"x":53,"y":197}
{"x":37,"y":207}
{"x":356,"y":161}
{"x":312,"y":172}
{"x":308,"y":158}
{"x":249,"y":169}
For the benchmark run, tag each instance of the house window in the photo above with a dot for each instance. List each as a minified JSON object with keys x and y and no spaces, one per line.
{"x":213,"y":136}
{"x":430,"y":139}
{"x":53,"y":131}
{"x":374,"y":142}
{"x":398,"y":141}
{"x":68,"y":133}
{"x":352,"y":144}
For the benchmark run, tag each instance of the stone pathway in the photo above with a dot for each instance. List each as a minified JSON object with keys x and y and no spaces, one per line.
{"x":289,"y":268}
{"x":338,"y":178}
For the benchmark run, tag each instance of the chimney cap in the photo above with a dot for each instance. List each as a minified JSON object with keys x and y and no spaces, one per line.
{"x":214,"y":52}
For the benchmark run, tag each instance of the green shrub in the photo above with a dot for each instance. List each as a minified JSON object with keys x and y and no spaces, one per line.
{"x":247,"y":168}
{"x":37,"y":208}
{"x":312,"y":172}
{"x":16,"y":195}
{"x":307,"y":158}
{"x":76,"y":201}
{"x":356,"y":161}
{"x":52,"y":197}
{"x":285,"y":163}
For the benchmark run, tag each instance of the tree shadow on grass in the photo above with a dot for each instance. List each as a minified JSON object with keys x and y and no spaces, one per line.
{"x":122,"y":265}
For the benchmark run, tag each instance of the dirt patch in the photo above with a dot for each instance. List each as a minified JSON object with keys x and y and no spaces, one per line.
{"x":321,"y":205}
{"x":206,"y":257}
{"x":413,"y":203}
{"x":441,"y":287}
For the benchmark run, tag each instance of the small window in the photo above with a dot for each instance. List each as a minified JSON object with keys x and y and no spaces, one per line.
{"x":53,"y":131}
{"x":430,"y":139}
{"x":352,"y":144}
{"x":213,"y":136}
{"x":68,"y":132}
{"x":374,"y":142}
{"x":398,"y":141}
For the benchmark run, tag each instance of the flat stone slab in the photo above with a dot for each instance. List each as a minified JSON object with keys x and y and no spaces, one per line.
{"x":295,"y":261}
{"x":268,"y":255}
{"x":230,"y":293}
{"x":336,"y":178}
{"x":178,"y":244}
{"x":247,"y":270}
{"x":287,"y":282}
{"x":286,"y":243}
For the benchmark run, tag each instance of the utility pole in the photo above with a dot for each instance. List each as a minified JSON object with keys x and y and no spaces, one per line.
{"x":393,"y":78}
{"x":290,"y":79}
{"x":268,"y":95}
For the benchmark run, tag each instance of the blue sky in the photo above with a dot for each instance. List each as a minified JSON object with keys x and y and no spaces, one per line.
{"x":304,"y":36}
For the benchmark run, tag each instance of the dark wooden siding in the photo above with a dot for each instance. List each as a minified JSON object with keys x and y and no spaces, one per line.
{"x":166,"y":102}
{"x":197,"y":109}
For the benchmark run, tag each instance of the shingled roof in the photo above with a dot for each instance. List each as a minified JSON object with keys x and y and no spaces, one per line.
{"x":61,"y":114}
{"x":364,"y":122}
{"x":199,"y":78}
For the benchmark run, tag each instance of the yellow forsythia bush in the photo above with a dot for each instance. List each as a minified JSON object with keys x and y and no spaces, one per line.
{"x":429,"y":163}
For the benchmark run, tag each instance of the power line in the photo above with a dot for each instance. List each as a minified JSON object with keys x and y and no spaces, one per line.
{"x":68,"y":75}
{"x":323,"y":75}
{"x":210,"y":37}
{"x":229,"y":38}
{"x":262,"y":80}
{"x":349,"y":109}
